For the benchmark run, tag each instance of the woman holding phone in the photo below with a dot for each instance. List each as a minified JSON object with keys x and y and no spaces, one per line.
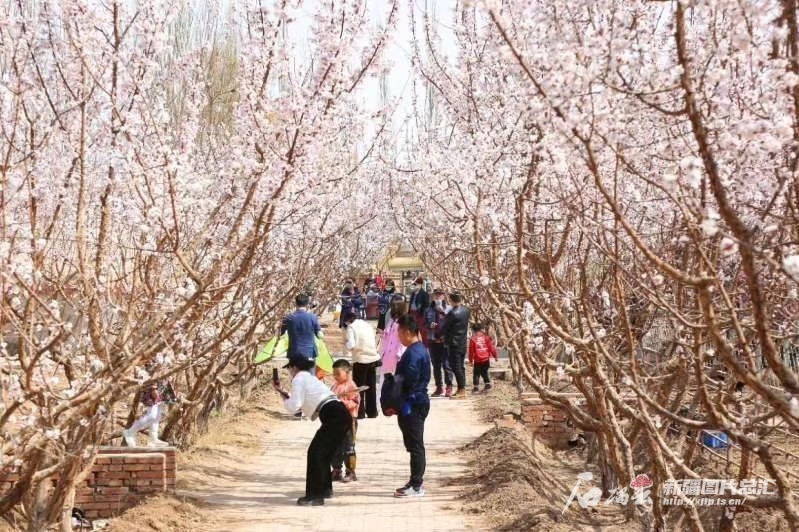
{"x":310,"y":395}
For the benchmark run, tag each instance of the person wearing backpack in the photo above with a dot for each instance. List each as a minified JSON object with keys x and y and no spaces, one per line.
{"x":481,"y":351}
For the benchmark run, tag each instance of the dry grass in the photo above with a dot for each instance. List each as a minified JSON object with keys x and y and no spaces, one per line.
{"x":163,"y":513}
{"x":518,"y":484}
{"x":503,"y":399}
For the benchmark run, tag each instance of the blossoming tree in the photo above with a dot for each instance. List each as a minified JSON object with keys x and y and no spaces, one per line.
{"x":163,"y":197}
{"x":615,"y":190}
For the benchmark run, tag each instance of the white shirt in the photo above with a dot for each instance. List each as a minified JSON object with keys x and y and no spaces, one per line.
{"x":361,"y":342}
{"x":306,"y":392}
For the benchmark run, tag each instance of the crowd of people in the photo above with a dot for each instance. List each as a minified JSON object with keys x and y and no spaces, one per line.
{"x":390,"y":368}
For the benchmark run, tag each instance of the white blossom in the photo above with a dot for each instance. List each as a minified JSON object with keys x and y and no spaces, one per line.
{"x":791,"y":265}
{"x":728,"y":247}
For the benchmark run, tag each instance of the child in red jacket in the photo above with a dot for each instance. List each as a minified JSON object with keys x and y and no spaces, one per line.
{"x":481,"y":350}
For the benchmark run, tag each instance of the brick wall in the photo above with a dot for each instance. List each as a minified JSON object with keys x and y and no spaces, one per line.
{"x":548,"y":423}
{"x":120,"y":477}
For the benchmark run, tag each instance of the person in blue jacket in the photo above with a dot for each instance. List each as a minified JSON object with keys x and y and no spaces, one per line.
{"x":303,"y":329}
{"x":414,"y":368}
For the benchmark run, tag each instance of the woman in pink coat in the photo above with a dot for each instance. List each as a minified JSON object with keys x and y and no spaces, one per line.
{"x":391,"y":348}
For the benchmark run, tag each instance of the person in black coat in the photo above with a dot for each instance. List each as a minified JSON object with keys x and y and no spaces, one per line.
{"x":418,"y":303}
{"x":455,"y":332}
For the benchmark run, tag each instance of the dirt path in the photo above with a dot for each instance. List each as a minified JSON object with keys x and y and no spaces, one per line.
{"x":259,"y":492}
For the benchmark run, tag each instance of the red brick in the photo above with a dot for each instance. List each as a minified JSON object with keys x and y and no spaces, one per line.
{"x":148,"y":490}
{"x":147,"y":474}
{"x":110,"y":482}
{"x":132,"y":450}
{"x":113,"y":498}
{"x":158,"y":459}
{"x":120,"y":490}
{"x":135,"y":468}
{"x":102,"y":460}
{"x":98,"y":505}
{"x":110,"y":475}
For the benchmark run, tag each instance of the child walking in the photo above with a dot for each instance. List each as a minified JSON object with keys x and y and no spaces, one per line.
{"x":481,"y":350}
{"x":346,"y":390}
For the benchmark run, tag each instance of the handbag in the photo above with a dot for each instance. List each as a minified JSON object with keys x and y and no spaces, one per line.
{"x":391,"y":395}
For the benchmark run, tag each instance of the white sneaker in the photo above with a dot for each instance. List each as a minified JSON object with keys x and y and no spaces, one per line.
{"x":129,"y":437}
{"x":158,"y":443}
{"x":410,"y":491}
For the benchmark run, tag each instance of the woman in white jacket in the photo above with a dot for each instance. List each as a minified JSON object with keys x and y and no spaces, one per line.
{"x":363,"y":348}
{"x":315,"y":399}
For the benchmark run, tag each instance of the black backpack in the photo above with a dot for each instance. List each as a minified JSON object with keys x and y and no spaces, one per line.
{"x":391,"y":394}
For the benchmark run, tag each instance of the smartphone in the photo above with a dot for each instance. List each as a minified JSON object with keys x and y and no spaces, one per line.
{"x":275,"y":376}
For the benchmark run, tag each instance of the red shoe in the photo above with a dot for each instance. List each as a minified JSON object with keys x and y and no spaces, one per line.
{"x":439,"y":392}
{"x":448,"y":393}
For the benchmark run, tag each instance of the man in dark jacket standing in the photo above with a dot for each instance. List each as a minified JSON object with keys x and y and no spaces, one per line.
{"x":456,"y":328}
{"x":414,"y":369}
{"x":303,"y":329}
{"x":435,"y":316}
{"x":417,"y":304}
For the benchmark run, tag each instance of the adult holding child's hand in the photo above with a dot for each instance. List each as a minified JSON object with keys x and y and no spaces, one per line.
{"x":310,"y":395}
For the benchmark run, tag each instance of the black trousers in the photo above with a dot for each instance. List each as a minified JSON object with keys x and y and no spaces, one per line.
{"x":457,"y":357}
{"x":412,"y":427}
{"x":438,"y":355}
{"x":481,"y":370}
{"x":336,"y":421}
{"x":366,"y":375}
{"x":346,"y":449}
